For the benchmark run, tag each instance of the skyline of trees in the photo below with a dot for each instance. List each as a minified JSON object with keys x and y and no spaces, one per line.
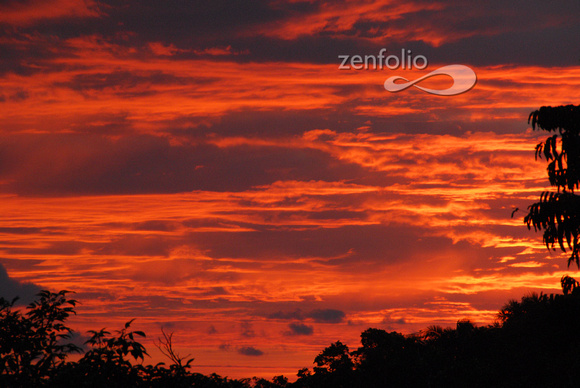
{"x":533,"y":342}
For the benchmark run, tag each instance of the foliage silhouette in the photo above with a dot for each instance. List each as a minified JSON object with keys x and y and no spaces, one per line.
{"x":533,"y":343}
{"x":166,"y":348}
{"x":558,"y":213}
{"x":33,"y":353}
{"x":31,"y":344}
{"x":569,"y":285}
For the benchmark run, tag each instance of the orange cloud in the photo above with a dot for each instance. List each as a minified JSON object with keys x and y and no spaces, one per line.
{"x":26,"y":13}
{"x":103,"y":79}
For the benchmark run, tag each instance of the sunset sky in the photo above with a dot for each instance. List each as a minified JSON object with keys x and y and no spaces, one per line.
{"x":206,"y":168}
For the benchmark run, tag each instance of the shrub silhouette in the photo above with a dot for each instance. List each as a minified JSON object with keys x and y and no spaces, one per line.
{"x":34,"y":351}
{"x":31,"y":347}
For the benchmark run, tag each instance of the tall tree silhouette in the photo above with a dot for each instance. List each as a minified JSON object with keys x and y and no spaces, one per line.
{"x":558,"y":213}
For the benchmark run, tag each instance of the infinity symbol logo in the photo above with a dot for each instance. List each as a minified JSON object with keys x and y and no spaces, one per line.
{"x":463,"y":79}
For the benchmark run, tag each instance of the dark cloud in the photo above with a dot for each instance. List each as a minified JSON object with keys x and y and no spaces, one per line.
{"x":11,"y":288}
{"x":491,"y":33}
{"x":247,"y":330}
{"x":90,"y":164}
{"x":125,"y":245}
{"x":270,"y":123}
{"x":388,"y":320}
{"x":318,"y":315}
{"x":135,"y":245}
{"x":327,"y":316}
{"x":210,"y":291}
{"x":22,"y":52}
{"x":147,"y":306}
{"x":178,"y":271}
{"x":533,"y":48}
{"x":188,"y":23}
{"x":289,"y":315}
{"x":20,"y":230}
{"x":217,"y":223}
{"x":299,"y":329}
{"x":146,"y":226}
{"x":250,"y":351}
{"x":211,"y":330}
{"x":21,"y":264}
{"x":362,"y":246}
{"x":156,"y":225}
{"x":127,"y":80}
{"x":17,"y":96}
{"x":65,"y":248}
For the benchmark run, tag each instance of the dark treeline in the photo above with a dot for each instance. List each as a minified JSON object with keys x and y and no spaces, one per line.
{"x":535,"y":342}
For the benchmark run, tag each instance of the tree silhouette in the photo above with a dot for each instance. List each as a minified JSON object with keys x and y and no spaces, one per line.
{"x":165,"y":345}
{"x":107,"y":363}
{"x":534,"y":343}
{"x":541,"y":339}
{"x":390,"y":359}
{"x":335,"y":358}
{"x":31,"y":344}
{"x":34,"y":350}
{"x":558,"y":213}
